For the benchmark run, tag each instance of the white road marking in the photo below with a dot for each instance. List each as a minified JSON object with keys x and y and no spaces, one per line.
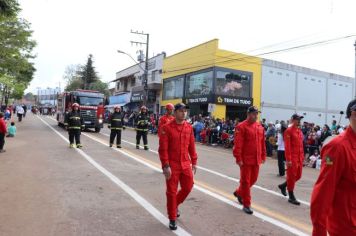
{"x":225,"y":176}
{"x":140,"y":200}
{"x":210,"y":193}
{"x":204,"y":190}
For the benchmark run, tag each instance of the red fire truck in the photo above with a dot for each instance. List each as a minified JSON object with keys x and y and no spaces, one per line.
{"x":91,"y":106}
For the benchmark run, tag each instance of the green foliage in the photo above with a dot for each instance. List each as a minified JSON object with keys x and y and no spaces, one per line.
{"x":9,"y":8}
{"x":16,"y":46}
{"x":100,"y":86}
{"x":84,"y":77}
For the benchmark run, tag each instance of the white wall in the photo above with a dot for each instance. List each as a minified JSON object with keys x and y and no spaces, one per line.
{"x":311,"y":91}
{"x":340,"y":94}
{"x":317,"y":118}
{"x":278,"y":86}
{"x":273,"y":114}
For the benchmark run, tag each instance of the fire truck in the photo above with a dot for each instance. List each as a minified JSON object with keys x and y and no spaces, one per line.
{"x":91,"y":107}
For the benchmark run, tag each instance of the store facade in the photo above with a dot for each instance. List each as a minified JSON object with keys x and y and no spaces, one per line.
{"x":220,"y":89}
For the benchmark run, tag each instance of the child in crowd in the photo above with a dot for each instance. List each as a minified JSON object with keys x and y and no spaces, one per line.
{"x":11,"y":130}
{"x":313,"y":158}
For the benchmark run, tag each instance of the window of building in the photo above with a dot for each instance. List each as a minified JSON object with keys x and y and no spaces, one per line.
{"x":154,"y":75}
{"x":133,"y":81}
{"x":118,"y":85}
{"x":173,"y":88}
{"x":199,"y":84}
{"x":233,"y":83}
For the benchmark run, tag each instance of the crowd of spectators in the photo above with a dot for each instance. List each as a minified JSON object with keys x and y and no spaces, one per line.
{"x":220,"y":132}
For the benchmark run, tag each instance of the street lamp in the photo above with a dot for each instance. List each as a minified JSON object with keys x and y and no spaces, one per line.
{"x":145,"y":86}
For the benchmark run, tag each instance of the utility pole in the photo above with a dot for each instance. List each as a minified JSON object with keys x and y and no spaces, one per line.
{"x":355,"y":71}
{"x":145,"y":80}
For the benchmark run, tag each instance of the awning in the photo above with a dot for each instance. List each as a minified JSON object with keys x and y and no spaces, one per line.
{"x":113,"y":105}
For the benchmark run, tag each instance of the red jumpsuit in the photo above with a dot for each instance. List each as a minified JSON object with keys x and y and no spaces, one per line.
{"x":294,"y":152}
{"x":177,"y":149}
{"x":164,"y":120}
{"x":250,"y":148}
{"x":333,"y":202}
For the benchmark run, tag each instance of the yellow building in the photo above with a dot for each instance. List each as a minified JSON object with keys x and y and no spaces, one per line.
{"x":212,"y":81}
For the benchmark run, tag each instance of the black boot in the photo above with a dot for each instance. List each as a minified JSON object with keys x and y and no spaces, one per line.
{"x":239,"y":198}
{"x":283,"y":188}
{"x":137,"y":147}
{"x":247,"y":210}
{"x":172,"y":225}
{"x":292,"y":199}
{"x":110,"y":145}
{"x":118,"y":146}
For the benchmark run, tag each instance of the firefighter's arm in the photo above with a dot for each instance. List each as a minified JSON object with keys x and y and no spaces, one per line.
{"x":325,"y":187}
{"x":163,"y":147}
{"x":238,"y":143}
{"x":191,"y":149}
{"x":287,"y":145}
{"x":263,"y":147}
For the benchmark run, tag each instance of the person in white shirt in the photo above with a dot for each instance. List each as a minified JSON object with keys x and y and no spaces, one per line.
{"x":20,"y":112}
{"x":280,"y":149}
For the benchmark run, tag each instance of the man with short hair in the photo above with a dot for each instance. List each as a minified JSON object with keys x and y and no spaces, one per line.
{"x":179,"y":159}
{"x":333,"y":201}
{"x":168,"y":117}
{"x":250,"y":152}
{"x":294,"y":154}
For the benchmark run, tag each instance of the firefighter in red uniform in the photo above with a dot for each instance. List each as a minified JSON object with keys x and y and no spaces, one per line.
{"x":294,"y":152}
{"x":249,"y":151}
{"x":333,"y":201}
{"x":168,"y":117}
{"x":179,"y":159}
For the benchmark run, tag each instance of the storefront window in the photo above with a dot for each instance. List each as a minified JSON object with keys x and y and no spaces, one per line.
{"x":173,"y":88}
{"x":199,"y":84}
{"x":233,"y":83}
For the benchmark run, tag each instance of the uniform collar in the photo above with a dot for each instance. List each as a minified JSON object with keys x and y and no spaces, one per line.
{"x":352,"y":136}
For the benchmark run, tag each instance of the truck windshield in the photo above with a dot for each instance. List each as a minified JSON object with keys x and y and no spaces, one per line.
{"x":90,"y":101}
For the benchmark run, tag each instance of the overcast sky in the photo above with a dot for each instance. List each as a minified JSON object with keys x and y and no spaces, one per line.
{"x":67,"y":31}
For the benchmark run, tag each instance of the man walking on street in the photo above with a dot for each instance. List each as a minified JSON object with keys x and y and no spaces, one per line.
{"x":74,"y":124}
{"x":294,"y":154}
{"x":20,"y":112}
{"x":168,"y":117}
{"x":116,"y":121}
{"x":250,"y":152}
{"x":142,"y":122}
{"x":333,"y":202}
{"x":179,"y":159}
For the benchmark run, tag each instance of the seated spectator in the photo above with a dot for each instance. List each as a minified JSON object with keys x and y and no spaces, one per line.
{"x":313,"y":158}
{"x":11,"y":130}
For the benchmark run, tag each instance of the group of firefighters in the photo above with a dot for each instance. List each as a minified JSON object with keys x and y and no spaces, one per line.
{"x":333,"y":201}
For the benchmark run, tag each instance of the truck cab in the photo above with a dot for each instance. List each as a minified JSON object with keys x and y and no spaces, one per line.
{"x":91,"y":107}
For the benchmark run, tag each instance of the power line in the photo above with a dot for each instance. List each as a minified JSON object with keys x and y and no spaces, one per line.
{"x":266,"y":53}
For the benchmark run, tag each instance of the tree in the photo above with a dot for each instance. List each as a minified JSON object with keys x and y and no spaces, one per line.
{"x":84,"y":77}
{"x":88,"y":74}
{"x":9,"y":8}
{"x":71,"y":75}
{"x":30,"y":97}
{"x":100,"y":86}
{"x":16,"y":46}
